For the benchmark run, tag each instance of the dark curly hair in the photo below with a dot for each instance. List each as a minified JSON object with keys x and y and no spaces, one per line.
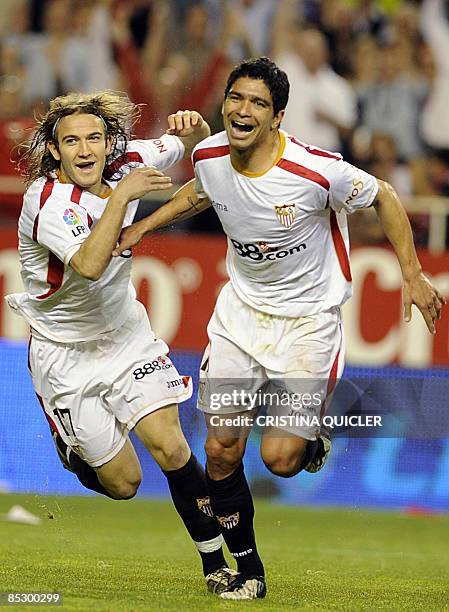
{"x":264,"y":69}
{"x":118,"y":113}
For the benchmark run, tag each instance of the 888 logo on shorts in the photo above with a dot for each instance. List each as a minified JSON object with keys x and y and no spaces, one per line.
{"x":161,"y":363}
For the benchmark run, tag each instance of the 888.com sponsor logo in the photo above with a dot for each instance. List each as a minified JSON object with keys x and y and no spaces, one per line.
{"x":264,"y":252}
{"x":161,"y":363}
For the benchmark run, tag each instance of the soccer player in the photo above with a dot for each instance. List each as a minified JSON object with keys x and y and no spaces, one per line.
{"x":283,"y":206}
{"x":97,"y":368}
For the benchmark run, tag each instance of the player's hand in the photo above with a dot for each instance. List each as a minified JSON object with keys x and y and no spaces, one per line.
{"x":129,"y":237}
{"x":419,"y":291}
{"x":185,"y":123}
{"x":141,"y":181}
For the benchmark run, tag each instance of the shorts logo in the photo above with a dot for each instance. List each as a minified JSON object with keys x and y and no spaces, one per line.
{"x":161,"y":363}
{"x":286,"y":214}
{"x":174,"y":383}
{"x":203,"y":504}
{"x":71,"y":218}
{"x":228,"y":522}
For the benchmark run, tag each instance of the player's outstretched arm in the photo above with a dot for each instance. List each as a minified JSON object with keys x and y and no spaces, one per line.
{"x":190,"y":127}
{"x":416,"y":288}
{"x":182,"y":205}
{"x":94,"y":255}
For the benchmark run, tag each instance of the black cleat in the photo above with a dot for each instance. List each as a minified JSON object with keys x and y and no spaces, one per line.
{"x":322,"y":454}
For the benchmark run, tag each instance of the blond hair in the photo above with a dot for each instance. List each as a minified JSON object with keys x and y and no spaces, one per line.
{"x":115,"y":109}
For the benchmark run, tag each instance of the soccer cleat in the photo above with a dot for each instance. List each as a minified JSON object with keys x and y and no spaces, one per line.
{"x":322,"y":454}
{"x":245,"y":587}
{"x":219,"y":580}
{"x":62,"y":449}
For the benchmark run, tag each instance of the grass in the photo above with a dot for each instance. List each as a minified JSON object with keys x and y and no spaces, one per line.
{"x":135,"y":555}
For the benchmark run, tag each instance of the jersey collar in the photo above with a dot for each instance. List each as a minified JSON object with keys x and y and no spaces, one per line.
{"x":278,"y":157}
{"x":106,"y":194}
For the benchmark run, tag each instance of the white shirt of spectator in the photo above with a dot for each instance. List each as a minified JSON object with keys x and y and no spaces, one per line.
{"x":287,"y":233}
{"x":56,"y":219}
{"x":324,"y":91}
{"x":435,"y":116}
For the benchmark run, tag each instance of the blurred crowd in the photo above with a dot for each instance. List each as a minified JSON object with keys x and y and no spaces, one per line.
{"x":368,"y":78}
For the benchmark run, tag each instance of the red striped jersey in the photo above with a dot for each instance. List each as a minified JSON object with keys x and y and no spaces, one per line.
{"x":56,"y":219}
{"x":288,"y":242}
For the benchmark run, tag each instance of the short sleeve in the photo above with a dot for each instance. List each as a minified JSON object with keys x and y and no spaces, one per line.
{"x":199,"y":189}
{"x":62,"y":228}
{"x":160,"y":153}
{"x":350,"y":187}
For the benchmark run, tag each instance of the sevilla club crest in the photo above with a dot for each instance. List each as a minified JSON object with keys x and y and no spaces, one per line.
{"x":286,"y":214}
{"x":203,"y":504}
{"x":228,"y":522}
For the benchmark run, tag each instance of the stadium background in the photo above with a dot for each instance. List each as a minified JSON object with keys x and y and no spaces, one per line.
{"x":386,"y":66}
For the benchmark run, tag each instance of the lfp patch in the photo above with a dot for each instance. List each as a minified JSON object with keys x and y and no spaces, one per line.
{"x":70,"y":217}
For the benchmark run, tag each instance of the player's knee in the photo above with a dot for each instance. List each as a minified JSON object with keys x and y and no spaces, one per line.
{"x":285,"y":467}
{"x":124,"y":489}
{"x":222,"y":458}
{"x":227,"y":450}
{"x":172,"y":456}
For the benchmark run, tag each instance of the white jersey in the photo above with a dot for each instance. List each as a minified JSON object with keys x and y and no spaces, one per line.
{"x":56,"y":219}
{"x":287,"y":233}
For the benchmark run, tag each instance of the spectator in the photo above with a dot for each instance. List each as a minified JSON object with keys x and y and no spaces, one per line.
{"x":253,"y":17}
{"x":379,"y":154}
{"x":435,"y":117}
{"x":438,"y":172}
{"x":386,"y":164}
{"x":14,"y":129}
{"x":364,"y":65}
{"x":322,"y":107}
{"x":369,"y":19}
{"x":92,"y":23}
{"x":72,"y":53}
{"x":55,"y":62}
{"x":393,"y":104}
{"x":167,"y":80}
{"x":336,"y":22}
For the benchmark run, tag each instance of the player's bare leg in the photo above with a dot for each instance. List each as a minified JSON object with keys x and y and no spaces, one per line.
{"x":119,"y":478}
{"x":161,"y":434}
{"x":286,"y":455}
{"x":122,"y":475}
{"x":232,"y":504}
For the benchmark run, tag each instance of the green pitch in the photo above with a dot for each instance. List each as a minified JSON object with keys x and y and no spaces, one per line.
{"x":135,"y":555}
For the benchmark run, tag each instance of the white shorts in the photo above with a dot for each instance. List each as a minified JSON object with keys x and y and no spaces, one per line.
{"x":288,"y":365}
{"x":94,"y":393}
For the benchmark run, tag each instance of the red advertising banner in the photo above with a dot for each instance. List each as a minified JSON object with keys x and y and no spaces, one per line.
{"x":178,"y":278}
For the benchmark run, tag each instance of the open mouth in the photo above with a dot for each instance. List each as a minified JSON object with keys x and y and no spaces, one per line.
{"x":85,"y":166}
{"x":240,"y":129}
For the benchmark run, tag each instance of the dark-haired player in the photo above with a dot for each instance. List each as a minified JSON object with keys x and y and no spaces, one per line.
{"x":283,"y":206}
